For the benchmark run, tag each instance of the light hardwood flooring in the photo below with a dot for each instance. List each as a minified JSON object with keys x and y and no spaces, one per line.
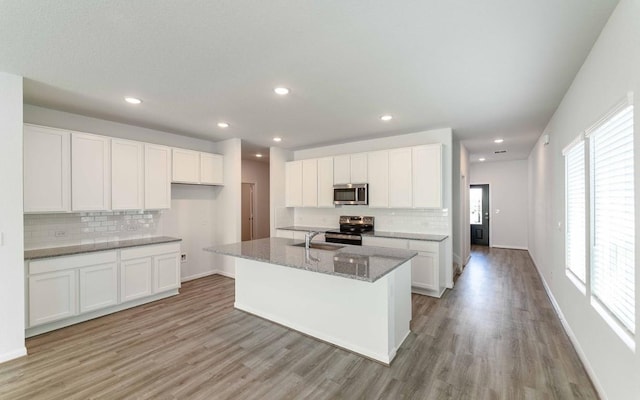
{"x":495,"y":336}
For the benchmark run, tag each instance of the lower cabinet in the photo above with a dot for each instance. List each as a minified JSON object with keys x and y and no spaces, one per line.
{"x":62,"y":291}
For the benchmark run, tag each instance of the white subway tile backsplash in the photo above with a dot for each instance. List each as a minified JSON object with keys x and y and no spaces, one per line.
{"x":51,"y":230}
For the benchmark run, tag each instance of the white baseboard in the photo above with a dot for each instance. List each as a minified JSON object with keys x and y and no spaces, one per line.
{"x":225,"y":273}
{"x":569,"y":331}
{"x":504,"y":246}
{"x":17,"y":353}
{"x":198,"y":276}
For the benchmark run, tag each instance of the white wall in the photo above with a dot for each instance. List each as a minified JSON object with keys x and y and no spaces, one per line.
{"x":279,"y":215}
{"x":610,"y":71}
{"x":11,"y":225}
{"x":258,"y":173}
{"x":460,"y":186}
{"x":508,"y":201}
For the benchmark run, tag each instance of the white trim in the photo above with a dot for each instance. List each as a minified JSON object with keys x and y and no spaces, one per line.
{"x":11,"y":355}
{"x":621,"y":105}
{"x":570,"y":334}
{"x":225,"y":273}
{"x":505,"y":246}
{"x":578,"y":139}
{"x":197,"y":276}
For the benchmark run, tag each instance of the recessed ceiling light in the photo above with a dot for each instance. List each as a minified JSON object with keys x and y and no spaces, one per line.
{"x":277,"y":139}
{"x":482,"y":159}
{"x":258,"y":155}
{"x":498,"y":141}
{"x":281,"y":90}
{"x":132,"y":100}
{"x":223,"y":125}
{"x":386,"y":117}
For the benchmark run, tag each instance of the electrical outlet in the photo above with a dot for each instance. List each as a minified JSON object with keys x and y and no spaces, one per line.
{"x":60,"y":233}
{"x":183,"y":258}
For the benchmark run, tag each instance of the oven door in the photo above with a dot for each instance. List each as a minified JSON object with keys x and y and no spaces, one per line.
{"x":343,"y":238}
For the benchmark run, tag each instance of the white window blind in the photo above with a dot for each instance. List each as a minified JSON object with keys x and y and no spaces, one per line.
{"x":575,"y":209}
{"x":613,"y":219}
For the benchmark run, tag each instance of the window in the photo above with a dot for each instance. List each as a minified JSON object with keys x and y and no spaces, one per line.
{"x":575,"y":207}
{"x":475,"y":200}
{"x":613,"y":216}
{"x":600,"y":217}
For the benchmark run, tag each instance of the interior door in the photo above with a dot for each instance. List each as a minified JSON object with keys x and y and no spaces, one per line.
{"x":479,"y":217}
{"x":247,"y":211}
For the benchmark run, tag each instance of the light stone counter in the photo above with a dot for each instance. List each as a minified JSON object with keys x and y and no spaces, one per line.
{"x":365,"y":263}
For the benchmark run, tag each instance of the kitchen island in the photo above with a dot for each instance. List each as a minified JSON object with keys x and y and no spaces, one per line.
{"x":355,"y":297}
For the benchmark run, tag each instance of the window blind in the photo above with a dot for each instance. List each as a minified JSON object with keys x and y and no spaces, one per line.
{"x":575,"y":210}
{"x":613,"y":233}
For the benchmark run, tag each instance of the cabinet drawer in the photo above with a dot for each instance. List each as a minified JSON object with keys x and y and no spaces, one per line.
{"x":69,"y":262}
{"x":385,"y":242}
{"x":150,"y":250}
{"x":420,"y":245}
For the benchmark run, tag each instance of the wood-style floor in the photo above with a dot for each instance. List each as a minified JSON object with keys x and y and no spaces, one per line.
{"x":495,"y":336}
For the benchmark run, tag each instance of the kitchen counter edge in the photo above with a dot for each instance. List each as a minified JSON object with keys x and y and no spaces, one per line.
{"x":384,"y":234}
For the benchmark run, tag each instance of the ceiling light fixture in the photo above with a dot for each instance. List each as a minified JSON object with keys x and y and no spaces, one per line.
{"x":482,"y":159}
{"x":259,"y":155}
{"x":498,"y":141}
{"x":281,"y":90}
{"x":277,"y":139}
{"x":386,"y":117}
{"x":223,"y":125}
{"x":132,"y":100}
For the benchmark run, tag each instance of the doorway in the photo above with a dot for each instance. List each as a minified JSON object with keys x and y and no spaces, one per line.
{"x":479,"y":214}
{"x":248,"y":211}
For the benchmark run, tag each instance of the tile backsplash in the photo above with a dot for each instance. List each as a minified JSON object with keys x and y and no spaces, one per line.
{"x":51,"y":230}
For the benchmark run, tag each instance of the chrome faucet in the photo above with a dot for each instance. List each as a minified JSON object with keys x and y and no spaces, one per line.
{"x":308,"y":236}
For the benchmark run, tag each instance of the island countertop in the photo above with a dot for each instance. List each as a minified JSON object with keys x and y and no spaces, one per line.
{"x":365,"y":263}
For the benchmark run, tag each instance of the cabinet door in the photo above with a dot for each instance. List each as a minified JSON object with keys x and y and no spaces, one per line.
{"x":52,"y":296}
{"x":211,"y":166}
{"x":378,"y":170}
{"x":400,"y":184}
{"x":358,"y":163}
{"x":157,"y":177}
{"x":185,"y":166}
{"x":325,"y":182}
{"x":90,"y":172}
{"x":424,"y":271}
{"x":166,"y":272}
{"x":341,"y":170}
{"x":98,"y":287}
{"x":310,"y":183}
{"x":135,"y":279}
{"x":127,"y":175}
{"x":427,"y":176}
{"x":47,"y":170}
{"x":293,"y":189}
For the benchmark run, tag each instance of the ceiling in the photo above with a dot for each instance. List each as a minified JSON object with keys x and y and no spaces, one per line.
{"x":488,"y":69}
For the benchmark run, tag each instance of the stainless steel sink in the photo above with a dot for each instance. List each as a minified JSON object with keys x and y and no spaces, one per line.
{"x":320,"y":246}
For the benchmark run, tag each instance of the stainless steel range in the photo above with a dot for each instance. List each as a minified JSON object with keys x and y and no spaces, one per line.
{"x":351,"y":229}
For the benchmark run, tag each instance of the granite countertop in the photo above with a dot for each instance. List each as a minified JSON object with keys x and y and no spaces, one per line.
{"x":411,"y":236}
{"x":307,"y":228}
{"x":102,"y":246}
{"x":365,"y":263}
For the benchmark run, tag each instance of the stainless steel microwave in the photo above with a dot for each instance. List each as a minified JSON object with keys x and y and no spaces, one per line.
{"x":351,"y":194}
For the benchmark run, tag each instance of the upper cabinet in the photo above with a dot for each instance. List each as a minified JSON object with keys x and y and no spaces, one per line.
{"x":378,"y":178}
{"x":47,"y":170}
{"x":427,"y":176}
{"x":195,"y":167}
{"x":400,"y":173}
{"x":325,"y":182}
{"x":127,"y":175}
{"x":293,"y":184}
{"x":350,"y":168}
{"x":310,"y":183}
{"x":157,"y":177}
{"x":90,"y":172}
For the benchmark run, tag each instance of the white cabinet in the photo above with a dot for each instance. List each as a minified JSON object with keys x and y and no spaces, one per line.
{"x":52,"y":297}
{"x":90,"y":172}
{"x":166,"y":272}
{"x":211,"y":169}
{"x":427,"y":176}
{"x":127,"y":175}
{"x":98,"y":286}
{"x":350,"y":168}
{"x":400,"y":183}
{"x":293,"y":184}
{"x":135,"y":279}
{"x":189,"y":166}
{"x":325,"y":182}
{"x":378,"y":169}
{"x":157,"y":177}
{"x":310,"y":183}
{"x":148,"y":270}
{"x":47,"y":170}
{"x":186,"y":166}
